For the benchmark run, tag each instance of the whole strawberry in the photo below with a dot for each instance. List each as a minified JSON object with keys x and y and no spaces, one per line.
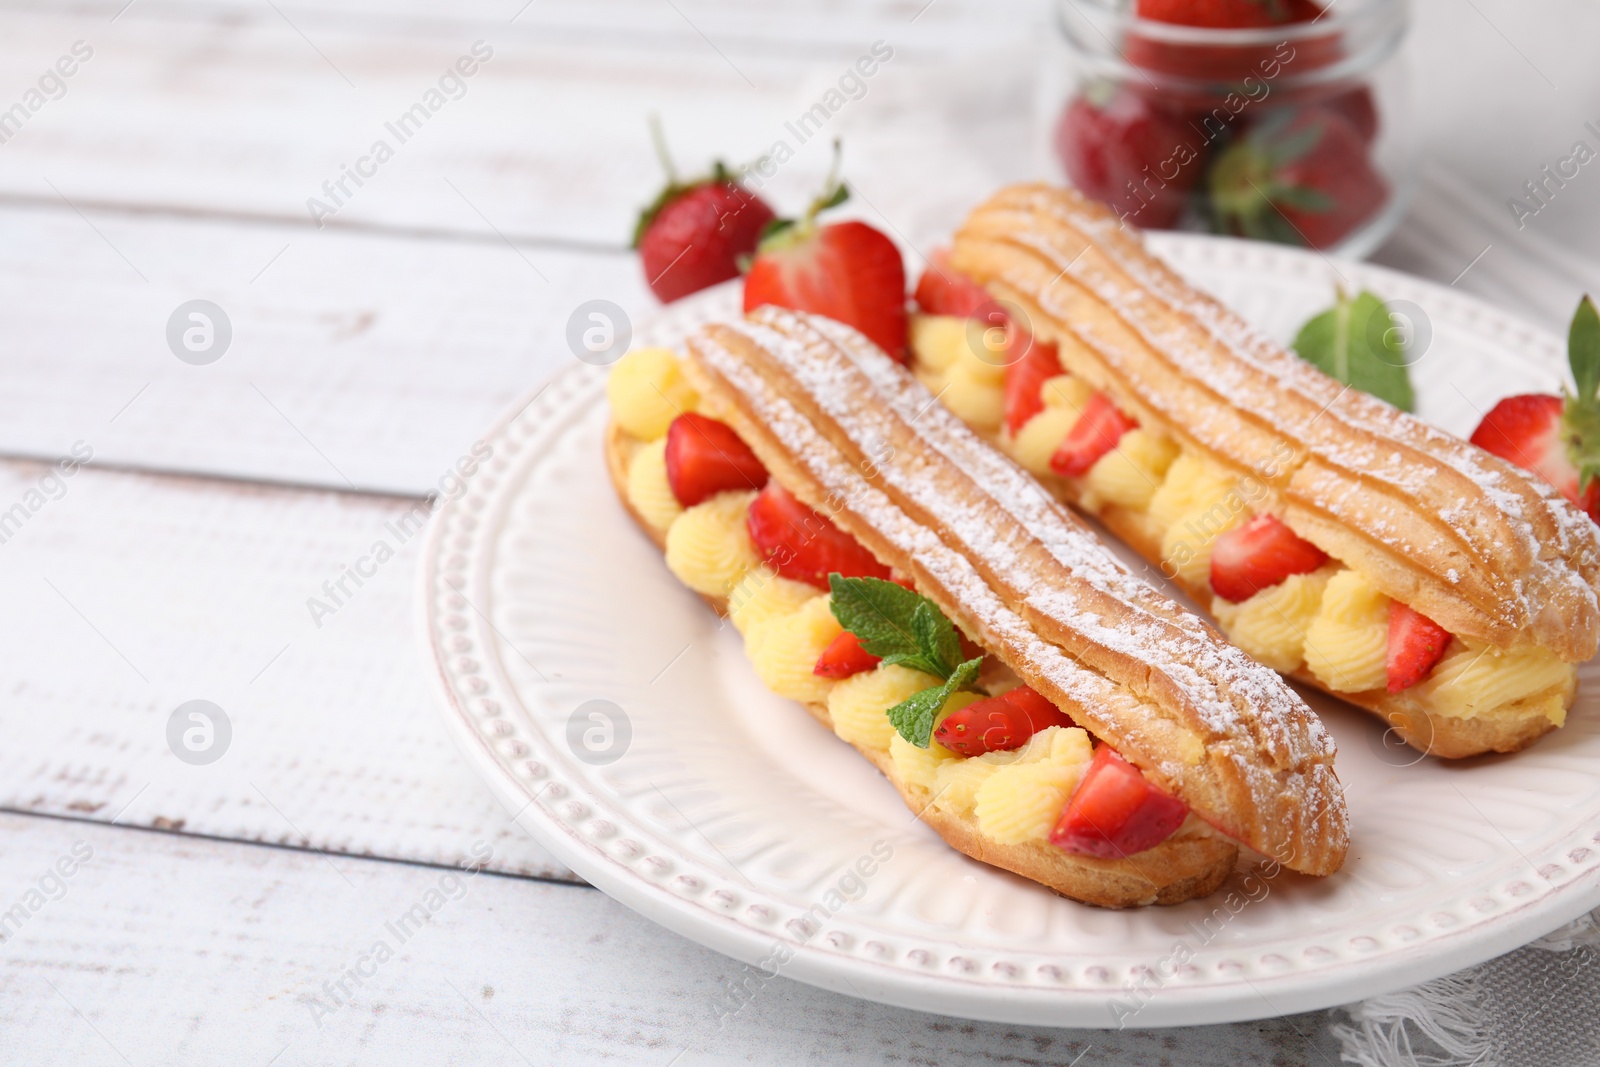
{"x":695,"y":233}
{"x":1557,"y":438}
{"x":1122,"y":150}
{"x":1228,"y":14}
{"x":847,"y":271}
{"x":1224,"y":63}
{"x":1300,"y":176}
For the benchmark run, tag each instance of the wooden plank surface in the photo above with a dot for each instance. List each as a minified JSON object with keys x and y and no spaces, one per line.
{"x":246,"y":110}
{"x":166,"y":950}
{"x":128,"y":595}
{"x":368,"y":357}
{"x":234,"y":106}
{"x":357,"y":359}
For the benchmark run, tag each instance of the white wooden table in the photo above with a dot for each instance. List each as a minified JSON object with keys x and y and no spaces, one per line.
{"x":225,"y":911}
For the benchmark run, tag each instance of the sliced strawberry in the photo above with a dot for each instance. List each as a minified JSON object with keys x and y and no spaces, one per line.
{"x":1115,"y":812}
{"x":999,"y":723}
{"x":847,"y":271}
{"x":1528,"y":430}
{"x":943,"y":290}
{"x":1098,"y":429}
{"x":705,"y":457}
{"x":804,"y":545}
{"x":1416,"y":643}
{"x":1025,"y":378}
{"x":1259,"y":555}
{"x":843,"y":657}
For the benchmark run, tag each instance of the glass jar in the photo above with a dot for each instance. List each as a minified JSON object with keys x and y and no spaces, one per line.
{"x":1298,"y":132}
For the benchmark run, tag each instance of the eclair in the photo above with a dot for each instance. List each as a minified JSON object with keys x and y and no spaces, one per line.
{"x":1036,"y":704}
{"x":1332,"y":536}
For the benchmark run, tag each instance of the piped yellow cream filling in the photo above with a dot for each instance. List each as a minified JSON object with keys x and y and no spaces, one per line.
{"x":1271,"y":626}
{"x":963,"y":365}
{"x":647,"y":390}
{"x":1474,"y":678}
{"x":648,"y":490}
{"x":709,"y":546}
{"x":1333,"y":623}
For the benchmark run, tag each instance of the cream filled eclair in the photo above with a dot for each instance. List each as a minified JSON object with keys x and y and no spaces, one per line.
{"x":1040,"y":707}
{"x":1335,"y":538}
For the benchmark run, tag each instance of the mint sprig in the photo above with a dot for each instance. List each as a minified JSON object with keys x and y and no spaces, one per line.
{"x":914,"y":716}
{"x":1356,"y":342}
{"x":896,"y":624}
{"x":1580,"y":420}
{"x":905,"y":628}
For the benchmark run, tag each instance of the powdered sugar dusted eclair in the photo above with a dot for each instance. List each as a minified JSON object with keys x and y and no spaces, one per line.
{"x":1334,"y":537}
{"x":1041,"y":708}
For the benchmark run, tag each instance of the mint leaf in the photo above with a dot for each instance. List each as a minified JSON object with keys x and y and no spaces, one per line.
{"x":913,"y":717}
{"x":1357,"y":342}
{"x":1583,"y":350}
{"x":879,"y":613}
{"x":908,"y":629}
{"x":895,"y":624}
{"x":936,"y":637}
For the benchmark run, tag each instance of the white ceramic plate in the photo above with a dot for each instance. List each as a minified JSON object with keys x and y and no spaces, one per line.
{"x":732,"y":817}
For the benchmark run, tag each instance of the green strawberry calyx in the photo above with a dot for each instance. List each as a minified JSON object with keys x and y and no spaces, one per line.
{"x":781,"y":234}
{"x":1580,"y":418}
{"x":1247,"y":185}
{"x":721,"y":174}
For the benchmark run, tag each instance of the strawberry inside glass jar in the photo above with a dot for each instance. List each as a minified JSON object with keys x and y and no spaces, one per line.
{"x":1280,"y":120}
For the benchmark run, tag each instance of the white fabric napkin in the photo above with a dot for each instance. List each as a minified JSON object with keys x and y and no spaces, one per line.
{"x":1539,"y":1005}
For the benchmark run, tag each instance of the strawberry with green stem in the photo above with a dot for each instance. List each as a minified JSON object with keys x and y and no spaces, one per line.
{"x":1301,"y":175}
{"x":1557,"y":437}
{"x":847,"y":271}
{"x":694,"y":234}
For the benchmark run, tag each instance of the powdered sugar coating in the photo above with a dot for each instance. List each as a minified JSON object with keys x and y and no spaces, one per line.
{"x":1252,"y":724}
{"x":1222,"y":684}
{"x":1518,"y":550}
